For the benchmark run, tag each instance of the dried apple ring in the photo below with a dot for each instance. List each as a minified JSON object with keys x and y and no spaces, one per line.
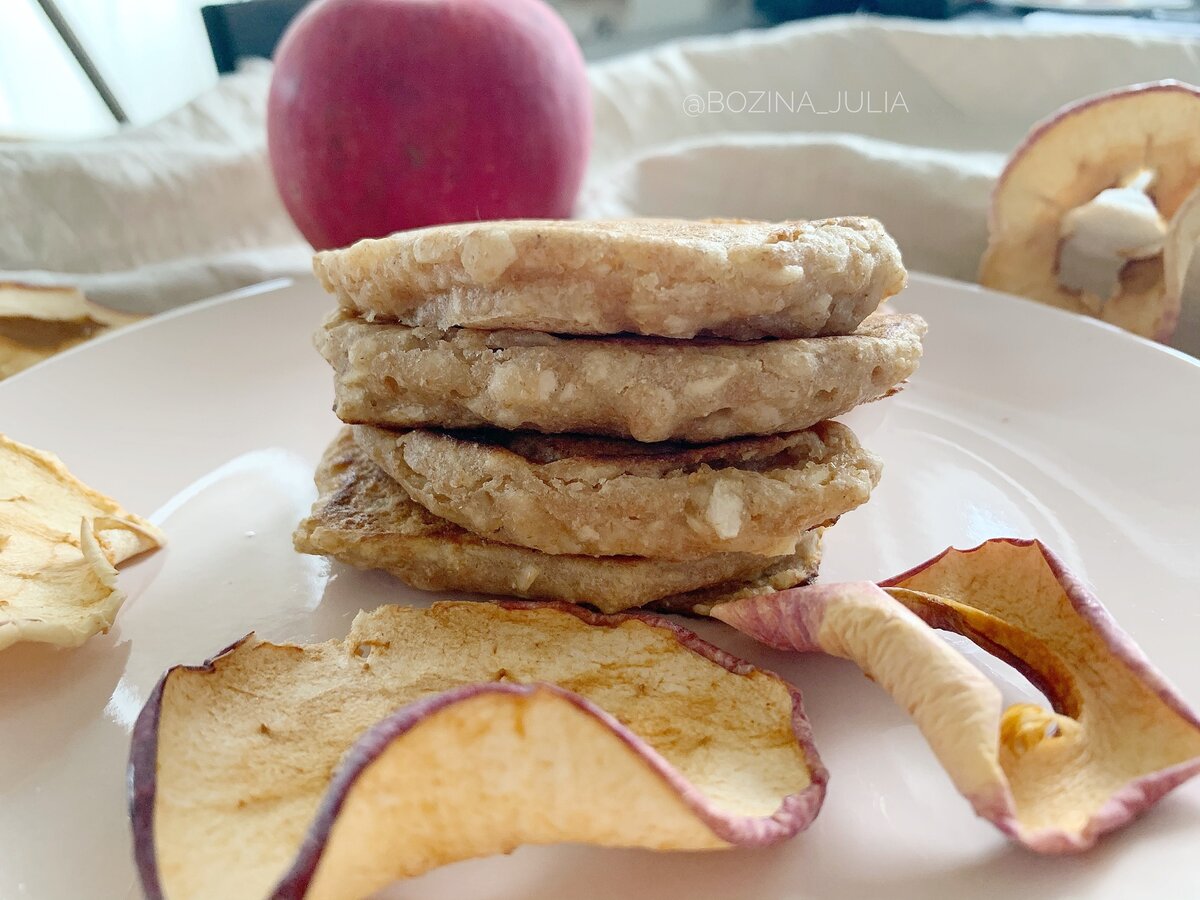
{"x":1119,"y":736}
{"x":433,"y":735}
{"x":1079,"y":215}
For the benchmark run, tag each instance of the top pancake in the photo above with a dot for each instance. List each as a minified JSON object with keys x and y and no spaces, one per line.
{"x":662,"y":277}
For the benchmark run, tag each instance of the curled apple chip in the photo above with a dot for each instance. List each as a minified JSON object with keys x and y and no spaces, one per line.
{"x":434,"y":735}
{"x":59,"y":542}
{"x":1119,"y":736}
{"x":1080,"y":215}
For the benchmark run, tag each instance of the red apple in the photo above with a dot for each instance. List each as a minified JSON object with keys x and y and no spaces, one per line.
{"x":385,"y":115}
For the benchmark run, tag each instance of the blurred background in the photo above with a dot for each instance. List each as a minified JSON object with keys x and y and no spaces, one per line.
{"x":78,"y":68}
{"x":135,"y":172}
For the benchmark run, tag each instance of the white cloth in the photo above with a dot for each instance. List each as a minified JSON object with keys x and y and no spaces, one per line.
{"x":758,"y":124}
{"x":157,"y":216}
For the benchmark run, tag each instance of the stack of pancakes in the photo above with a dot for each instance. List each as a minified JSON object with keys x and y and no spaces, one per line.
{"x":619,"y":413}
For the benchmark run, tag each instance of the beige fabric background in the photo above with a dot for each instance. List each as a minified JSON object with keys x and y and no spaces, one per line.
{"x":183,"y":209}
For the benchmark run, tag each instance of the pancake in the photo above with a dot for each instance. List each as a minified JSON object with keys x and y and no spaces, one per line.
{"x":572,"y":494}
{"x":664,"y":277}
{"x":648,"y":389}
{"x":364,"y":518}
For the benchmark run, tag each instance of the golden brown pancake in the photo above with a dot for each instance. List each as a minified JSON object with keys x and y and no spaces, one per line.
{"x":648,"y":389}
{"x":666,"y":277}
{"x":364,"y":518}
{"x":570,"y":494}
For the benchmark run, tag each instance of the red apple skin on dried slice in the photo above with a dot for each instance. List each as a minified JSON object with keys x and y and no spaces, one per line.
{"x":1066,"y":160}
{"x":1119,"y":738}
{"x":425,"y":737}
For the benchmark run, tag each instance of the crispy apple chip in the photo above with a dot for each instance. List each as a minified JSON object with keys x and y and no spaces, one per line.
{"x":1183,"y":236}
{"x":1119,"y":736}
{"x":59,"y":542}
{"x":1080,"y":214}
{"x":434,"y":735}
{"x":38,"y":322}
{"x":57,"y":304}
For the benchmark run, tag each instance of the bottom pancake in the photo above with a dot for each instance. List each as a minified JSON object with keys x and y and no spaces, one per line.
{"x":364,"y":518}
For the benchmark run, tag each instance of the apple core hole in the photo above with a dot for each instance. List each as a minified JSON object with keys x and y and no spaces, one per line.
{"x":391,"y":385}
{"x":827,"y":394}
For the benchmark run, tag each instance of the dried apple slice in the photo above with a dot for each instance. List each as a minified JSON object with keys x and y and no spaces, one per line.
{"x":16,"y":356}
{"x":1119,"y":737}
{"x":59,"y":541}
{"x":57,"y":304}
{"x":1180,"y":245}
{"x":38,"y":322}
{"x":1078,"y":216}
{"x":433,"y":735}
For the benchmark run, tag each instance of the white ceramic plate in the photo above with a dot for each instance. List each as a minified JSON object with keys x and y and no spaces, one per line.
{"x":1022,"y":421}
